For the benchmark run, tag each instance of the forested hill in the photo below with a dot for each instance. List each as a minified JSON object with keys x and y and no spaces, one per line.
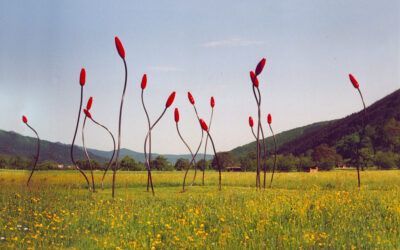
{"x":378,"y":114}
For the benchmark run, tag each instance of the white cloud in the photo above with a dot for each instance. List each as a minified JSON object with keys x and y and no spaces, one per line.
{"x":233,"y":42}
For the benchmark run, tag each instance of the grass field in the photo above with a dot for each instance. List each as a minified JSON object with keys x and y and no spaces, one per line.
{"x":302,"y":210}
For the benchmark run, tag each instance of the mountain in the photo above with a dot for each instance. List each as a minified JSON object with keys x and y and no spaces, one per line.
{"x":14,"y":144}
{"x":377,"y":115}
{"x":281,"y":138}
{"x":299,"y":140}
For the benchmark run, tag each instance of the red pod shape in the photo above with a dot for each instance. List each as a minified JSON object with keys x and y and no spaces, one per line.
{"x":190,"y":97}
{"x":260,"y":66}
{"x":269,"y":118}
{"x":82,"y":77}
{"x":354,"y":81}
{"x":120,"y":48}
{"x":89,"y":103}
{"x":254,"y":79}
{"x":143,"y":84}
{"x":212,"y":102}
{"x":251,"y":122}
{"x":24,"y":119}
{"x":87,"y":113}
{"x":170,"y":99}
{"x":203,"y":125}
{"x":176,"y":115}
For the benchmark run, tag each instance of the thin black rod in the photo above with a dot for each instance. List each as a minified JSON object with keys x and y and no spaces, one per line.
{"x":37,"y":154}
{"x":73,"y":142}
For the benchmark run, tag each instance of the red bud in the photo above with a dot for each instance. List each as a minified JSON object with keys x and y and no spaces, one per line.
{"x":254,"y":79}
{"x":170,"y":100}
{"x":89,"y":103}
{"x":260,"y":66}
{"x":269,"y":118}
{"x":24,"y":119}
{"x":87,"y":113}
{"x":212,"y":102}
{"x":120,"y":48}
{"x":251,"y":122}
{"x":176,"y":115}
{"x":82,"y":77}
{"x":203,"y":125}
{"x":354,"y":81}
{"x":144,"y":82}
{"x":190,"y":97}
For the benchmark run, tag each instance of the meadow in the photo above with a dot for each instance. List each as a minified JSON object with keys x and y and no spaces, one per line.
{"x":302,"y":210}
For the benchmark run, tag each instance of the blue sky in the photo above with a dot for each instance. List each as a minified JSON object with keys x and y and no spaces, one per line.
{"x":206,"y":47}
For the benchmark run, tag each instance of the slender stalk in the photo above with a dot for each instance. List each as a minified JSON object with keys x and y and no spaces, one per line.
{"x":110,"y":162}
{"x":258,"y":101}
{"x":86,"y":153}
{"x":191,"y":162}
{"x":198,"y":148}
{"x":149,"y":178}
{"x":116,"y":165}
{"x":273,"y":168}
{"x":73,"y":142}
{"x":37,"y":153}
{"x":216,"y":157}
{"x":147,"y":157}
{"x":264,"y":157}
{"x":361,"y":137}
{"x":205,"y":147}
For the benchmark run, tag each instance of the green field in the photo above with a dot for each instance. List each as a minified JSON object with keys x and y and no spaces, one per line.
{"x":302,"y":210}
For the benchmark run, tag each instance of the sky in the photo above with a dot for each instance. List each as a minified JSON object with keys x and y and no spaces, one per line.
{"x":207,"y":47}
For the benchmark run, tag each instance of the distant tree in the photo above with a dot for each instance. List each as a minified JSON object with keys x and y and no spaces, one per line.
{"x":84,"y":164}
{"x":347,"y":147}
{"x":325,"y":157}
{"x":226,"y":160}
{"x":3,"y":162}
{"x":200,"y":164}
{"x":391,"y":133}
{"x":161,"y":163}
{"x":287,"y":163}
{"x":47,"y":165}
{"x":130,"y":164}
{"x":305,"y":163}
{"x":387,"y":160}
{"x":181,"y":164}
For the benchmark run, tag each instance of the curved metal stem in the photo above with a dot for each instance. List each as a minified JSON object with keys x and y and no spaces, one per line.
{"x":191,"y":162}
{"x":273,"y":168}
{"x":361,"y":138}
{"x":149,"y":178}
{"x":258,"y":100}
{"x":205,"y":147}
{"x":116,"y":165}
{"x":37,"y":154}
{"x":86,"y":153}
{"x":147,"y":157}
{"x":73,"y":142}
{"x":264,"y":157}
{"x":216,"y":157}
{"x":198,"y":148}
{"x":110,"y":162}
